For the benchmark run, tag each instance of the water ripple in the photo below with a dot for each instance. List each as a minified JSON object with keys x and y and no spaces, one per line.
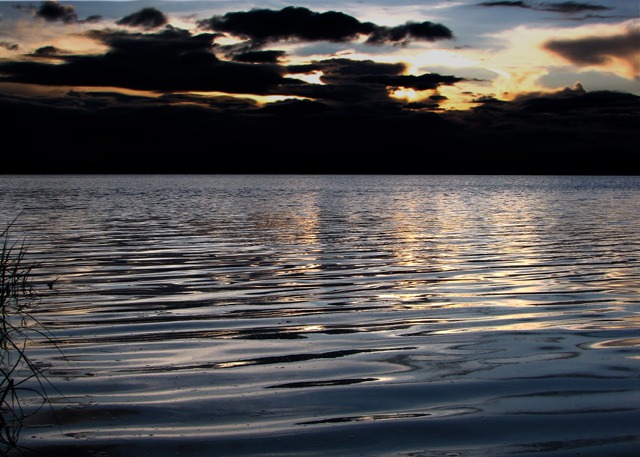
{"x":368,"y":315}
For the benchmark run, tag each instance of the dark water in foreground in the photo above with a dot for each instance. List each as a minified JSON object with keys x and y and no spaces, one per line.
{"x":413,"y":316}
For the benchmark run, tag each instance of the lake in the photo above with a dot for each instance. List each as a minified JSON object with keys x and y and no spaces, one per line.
{"x":333,"y":315}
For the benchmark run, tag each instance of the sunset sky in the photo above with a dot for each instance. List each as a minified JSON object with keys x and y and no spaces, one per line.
{"x":124,"y":71}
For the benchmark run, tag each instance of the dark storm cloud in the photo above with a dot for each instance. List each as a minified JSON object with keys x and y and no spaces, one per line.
{"x":579,"y":101}
{"x":571,"y":7}
{"x":168,"y":60}
{"x":299,"y":23}
{"x":147,"y":18}
{"x":174,"y":59}
{"x":344,"y":81}
{"x":219,"y":103}
{"x":52,"y":11}
{"x":421,"y":106}
{"x":347,"y":124}
{"x":368,"y":72}
{"x":9,"y":45}
{"x":425,"y":31}
{"x":294,"y":108}
{"x":291,"y":22}
{"x":595,"y":132}
{"x":92,"y":19}
{"x":341,"y":69}
{"x":46,"y":51}
{"x":556,"y":7}
{"x":575,"y":110}
{"x":110,"y":132}
{"x":259,"y":56}
{"x":598,"y":50}
{"x":363,"y":84}
{"x":570,"y":121}
{"x":422,"y":82}
{"x":488,"y":100}
{"x":170,"y":42}
{"x":505,"y":3}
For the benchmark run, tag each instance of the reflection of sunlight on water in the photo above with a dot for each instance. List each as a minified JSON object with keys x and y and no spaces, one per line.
{"x":626,"y":342}
{"x":339,"y":302}
{"x":312,"y":328}
{"x":234,"y":364}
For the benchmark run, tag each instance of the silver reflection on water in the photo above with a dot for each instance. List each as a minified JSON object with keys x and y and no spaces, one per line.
{"x":336,"y":315}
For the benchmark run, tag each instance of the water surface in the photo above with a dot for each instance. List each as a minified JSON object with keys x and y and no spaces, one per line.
{"x":259,"y":315}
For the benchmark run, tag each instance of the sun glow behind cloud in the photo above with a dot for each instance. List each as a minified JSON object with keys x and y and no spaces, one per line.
{"x":517,"y":60}
{"x":525,"y":59}
{"x":261,"y":100}
{"x":314,"y":77}
{"x":439,"y":57}
{"x":519,"y":64}
{"x":30,"y":36}
{"x":60,"y":91}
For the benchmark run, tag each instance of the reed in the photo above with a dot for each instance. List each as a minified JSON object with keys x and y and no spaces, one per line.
{"x":18,"y":327}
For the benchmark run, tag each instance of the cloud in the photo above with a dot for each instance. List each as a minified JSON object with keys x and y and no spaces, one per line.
{"x":526,"y":58}
{"x":569,"y":103}
{"x":53,"y":11}
{"x":426,"y":81}
{"x":217,"y":134}
{"x":169,"y":60}
{"x":599,"y":50}
{"x":183,"y":134}
{"x":571,"y":7}
{"x":341,"y":69}
{"x":345,"y":121}
{"x":578,"y":101}
{"x":505,"y":3}
{"x":11,"y":46}
{"x":289,"y":23}
{"x":349,"y":82}
{"x":259,"y":56}
{"x":295,"y":108}
{"x":147,"y":18}
{"x":426,"y":31}
{"x":362,"y":83}
{"x":536,"y":130}
{"x":46,"y":51}
{"x":556,"y":7}
{"x":174,"y":59}
{"x":299,"y":23}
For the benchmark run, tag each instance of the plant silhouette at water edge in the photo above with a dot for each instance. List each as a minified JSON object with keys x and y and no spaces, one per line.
{"x":18,"y":326}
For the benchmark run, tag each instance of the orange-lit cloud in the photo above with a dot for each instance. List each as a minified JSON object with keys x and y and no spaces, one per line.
{"x":29,"y":35}
{"x":530,"y":53}
{"x":618,"y":53}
